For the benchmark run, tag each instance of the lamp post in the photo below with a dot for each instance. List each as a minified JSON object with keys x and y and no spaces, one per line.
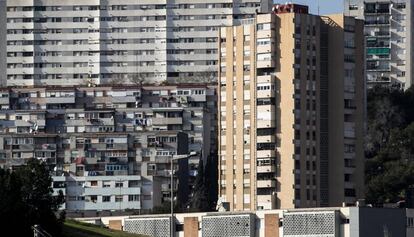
{"x":121,"y":185}
{"x":173,"y":158}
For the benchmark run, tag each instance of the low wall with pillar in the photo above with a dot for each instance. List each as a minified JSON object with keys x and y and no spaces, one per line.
{"x":327,"y":222}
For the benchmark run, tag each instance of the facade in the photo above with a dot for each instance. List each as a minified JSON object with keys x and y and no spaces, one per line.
{"x":106,"y":134}
{"x":92,"y":193}
{"x":291,"y":112}
{"x":327,"y":222}
{"x":51,"y":42}
{"x":388,"y":40}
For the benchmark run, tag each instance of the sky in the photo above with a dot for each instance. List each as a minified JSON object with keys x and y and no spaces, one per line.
{"x":326,"y":6}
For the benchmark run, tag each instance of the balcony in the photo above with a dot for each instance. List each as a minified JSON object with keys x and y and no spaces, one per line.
{"x":60,"y":100}
{"x":371,"y":10}
{"x":382,"y":34}
{"x":377,"y":22}
{"x":266,"y":169}
{"x":45,"y":147}
{"x":125,"y":99}
{"x":378,"y":57}
{"x":4,"y":100}
{"x":23,"y":123}
{"x":377,"y":44}
{"x":165,"y":187}
{"x":269,"y":33}
{"x":266,"y":123}
{"x":264,"y":139}
{"x":155,"y":144}
{"x":266,"y":63}
{"x":265,"y":93}
{"x":197,"y":98}
{"x":266,"y":183}
{"x":163,"y":173}
{"x":266,"y":108}
{"x":167,"y":121}
{"x":265,"y":198}
{"x":378,"y":68}
{"x":265,"y":79}
{"x":378,"y":51}
{"x":111,"y":191}
{"x":269,"y":48}
{"x":266,"y":153}
{"x":101,"y":121}
{"x":25,"y":147}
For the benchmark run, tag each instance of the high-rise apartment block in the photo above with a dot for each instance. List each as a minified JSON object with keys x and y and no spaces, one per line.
{"x":111,"y":147}
{"x":291,"y":108}
{"x":388,"y":41}
{"x":53,"y":42}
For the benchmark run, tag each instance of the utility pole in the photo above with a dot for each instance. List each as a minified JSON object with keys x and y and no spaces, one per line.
{"x":172,"y":197}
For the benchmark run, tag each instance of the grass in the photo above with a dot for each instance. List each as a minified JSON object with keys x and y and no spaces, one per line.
{"x":73,"y":228}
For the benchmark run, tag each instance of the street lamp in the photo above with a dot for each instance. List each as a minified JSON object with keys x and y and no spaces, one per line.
{"x":173,"y":158}
{"x":120,"y":183}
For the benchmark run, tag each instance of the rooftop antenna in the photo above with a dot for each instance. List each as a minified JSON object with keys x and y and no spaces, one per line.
{"x":318,"y":7}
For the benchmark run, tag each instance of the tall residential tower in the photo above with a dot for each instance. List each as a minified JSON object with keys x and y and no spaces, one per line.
{"x":388,"y":41}
{"x":291,"y":105}
{"x":52,"y":42}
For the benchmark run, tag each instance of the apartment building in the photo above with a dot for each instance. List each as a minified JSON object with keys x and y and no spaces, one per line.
{"x":51,"y":42}
{"x":92,"y":193}
{"x":291,"y":109}
{"x":106,"y":134}
{"x":388,"y":40}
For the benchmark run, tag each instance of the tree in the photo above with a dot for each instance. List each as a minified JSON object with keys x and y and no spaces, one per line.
{"x":116,"y":81}
{"x":383,"y":116}
{"x":26,"y":199}
{"x":138,"y":79}
{"x":389,"y":169}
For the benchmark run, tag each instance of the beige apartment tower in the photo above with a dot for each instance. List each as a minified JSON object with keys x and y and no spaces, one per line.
{"x":291,"y":108}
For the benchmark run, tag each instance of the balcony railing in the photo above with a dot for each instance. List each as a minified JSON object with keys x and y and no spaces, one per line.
{"x":379,"y":68}
{"x":382,"y":33}
{"x":46,"y":146}
{"x":380,"y":22}
{"x":380,"y":10}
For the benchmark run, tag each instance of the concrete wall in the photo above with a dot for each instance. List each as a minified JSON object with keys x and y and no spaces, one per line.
{"x":353,"y":221}
{"x":377,"y":222}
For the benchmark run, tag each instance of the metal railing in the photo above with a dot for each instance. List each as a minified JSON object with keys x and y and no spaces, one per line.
{"x":40,"y":232}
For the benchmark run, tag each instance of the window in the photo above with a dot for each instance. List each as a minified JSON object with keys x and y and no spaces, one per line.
{"x":94,"y":183}
{"x":119,"y":198}
{"x":410,"y":222}
{"x":350,"y":192}
{"x":263,"y":26}
{"x":119,"y":184}
{"x":401,"y":29}
{"x":297,"y":194}
{"x":133,"y":198}
{"x":400,"y":5}
{"x":263,"y":41}
{"x":133,"y":183}
{"x":106,"y":198}
{"x":353,"y":7}
{"x":94,"y":198}
{"x":401,"y":74}
{"x":106,"y":184}
{"x":264,"y":57}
